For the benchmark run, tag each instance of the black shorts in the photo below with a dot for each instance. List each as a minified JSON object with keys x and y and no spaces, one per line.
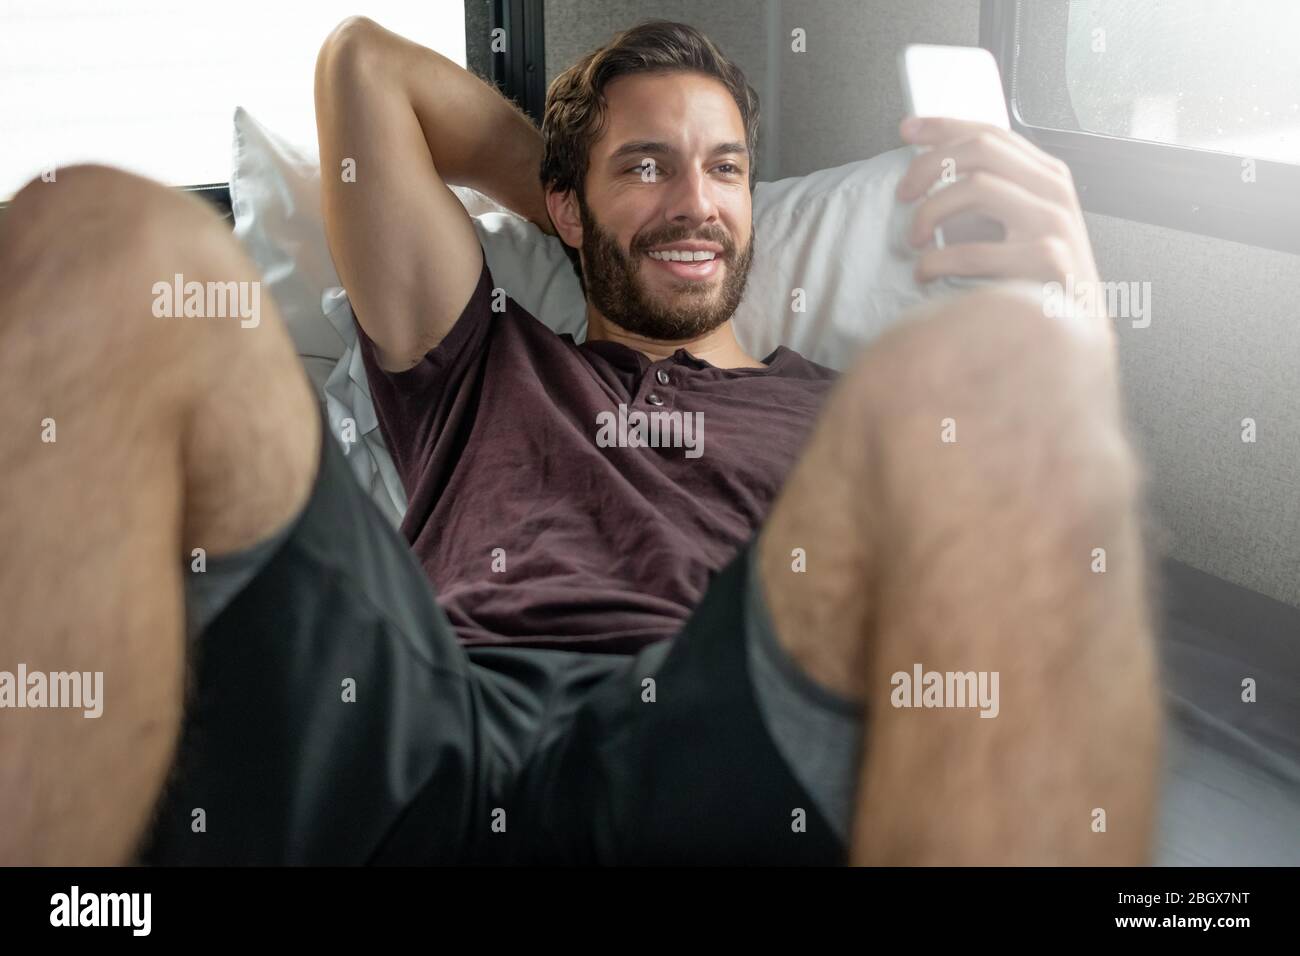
{"x":332,"y":717}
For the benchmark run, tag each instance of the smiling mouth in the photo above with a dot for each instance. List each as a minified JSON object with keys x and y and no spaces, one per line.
{"x":695,"y":269}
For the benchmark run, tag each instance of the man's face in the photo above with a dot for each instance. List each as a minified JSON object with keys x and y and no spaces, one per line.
{"x":671,"y":168}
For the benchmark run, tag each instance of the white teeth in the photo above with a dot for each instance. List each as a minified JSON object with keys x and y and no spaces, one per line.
{"x":675,"y":255}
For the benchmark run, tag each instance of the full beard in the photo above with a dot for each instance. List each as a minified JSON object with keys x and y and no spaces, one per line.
{"x":695,"y":307}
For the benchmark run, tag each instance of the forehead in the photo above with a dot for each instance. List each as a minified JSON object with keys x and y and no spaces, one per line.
{"x":684,"y":108}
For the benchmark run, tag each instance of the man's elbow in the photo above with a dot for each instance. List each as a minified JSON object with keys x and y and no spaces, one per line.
{"x":349,"y":51}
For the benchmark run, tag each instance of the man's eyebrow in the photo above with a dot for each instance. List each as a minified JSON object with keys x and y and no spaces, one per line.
{"x":644,"y":147}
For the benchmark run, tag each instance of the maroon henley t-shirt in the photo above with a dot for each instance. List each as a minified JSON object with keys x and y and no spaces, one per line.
{"x":508,"y":436}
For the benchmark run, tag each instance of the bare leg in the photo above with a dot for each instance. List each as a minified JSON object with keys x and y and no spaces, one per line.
{"x":170,"y":434}
{"x":977,"y":555}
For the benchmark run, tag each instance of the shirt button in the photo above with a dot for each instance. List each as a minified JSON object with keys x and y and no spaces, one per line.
{"x":654,"y":399}
{"x":662,"y":376}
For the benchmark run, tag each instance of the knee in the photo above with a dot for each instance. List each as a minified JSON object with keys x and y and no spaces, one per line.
{"x":95,"y":260}
{"x":994,"y":381}
{"x":107,"y":209}
{"x":994,"y":352}
{"x":72,"y":193}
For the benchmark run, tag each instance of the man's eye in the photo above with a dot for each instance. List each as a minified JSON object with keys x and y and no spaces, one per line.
{"x":643,"y":167}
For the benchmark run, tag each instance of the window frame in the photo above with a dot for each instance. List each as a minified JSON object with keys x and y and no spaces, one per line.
{"x":218,"y":194}
{"x":519,"y":71}
{"x":1181,"y":187}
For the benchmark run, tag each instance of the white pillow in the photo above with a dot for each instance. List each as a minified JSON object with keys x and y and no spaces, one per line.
{"x":275,"y":198}
{"x":823,"y":242}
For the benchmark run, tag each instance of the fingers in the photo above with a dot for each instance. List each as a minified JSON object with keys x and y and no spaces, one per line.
{"x":1006,"y":178}
{"x":1046,"y":259}
{"x":1023,"y":214}
{"x":993,"y":151}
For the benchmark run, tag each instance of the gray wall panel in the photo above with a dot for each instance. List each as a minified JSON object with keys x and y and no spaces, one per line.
{"x":841,"y":100}
{"x":1223,"y":345}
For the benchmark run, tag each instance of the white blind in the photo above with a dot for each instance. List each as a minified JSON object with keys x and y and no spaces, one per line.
{"x":151,"y":86}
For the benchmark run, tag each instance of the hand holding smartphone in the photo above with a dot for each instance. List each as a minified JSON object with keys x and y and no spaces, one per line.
{"x":959,"y":83}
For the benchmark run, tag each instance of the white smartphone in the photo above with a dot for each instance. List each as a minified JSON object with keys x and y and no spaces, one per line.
{"x":959,"y":82}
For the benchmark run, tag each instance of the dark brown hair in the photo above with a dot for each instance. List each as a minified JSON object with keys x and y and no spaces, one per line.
{"x":576,"y":106}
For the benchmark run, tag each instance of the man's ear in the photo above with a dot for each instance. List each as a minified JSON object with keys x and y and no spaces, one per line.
{"x":566,"y":217}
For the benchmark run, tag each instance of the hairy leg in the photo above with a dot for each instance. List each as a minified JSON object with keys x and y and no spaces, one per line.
{"x":977,"y":555}
{"x":169,"y":434}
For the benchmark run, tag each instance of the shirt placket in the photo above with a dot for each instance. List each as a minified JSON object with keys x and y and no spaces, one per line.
{"x":658,"y":390}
